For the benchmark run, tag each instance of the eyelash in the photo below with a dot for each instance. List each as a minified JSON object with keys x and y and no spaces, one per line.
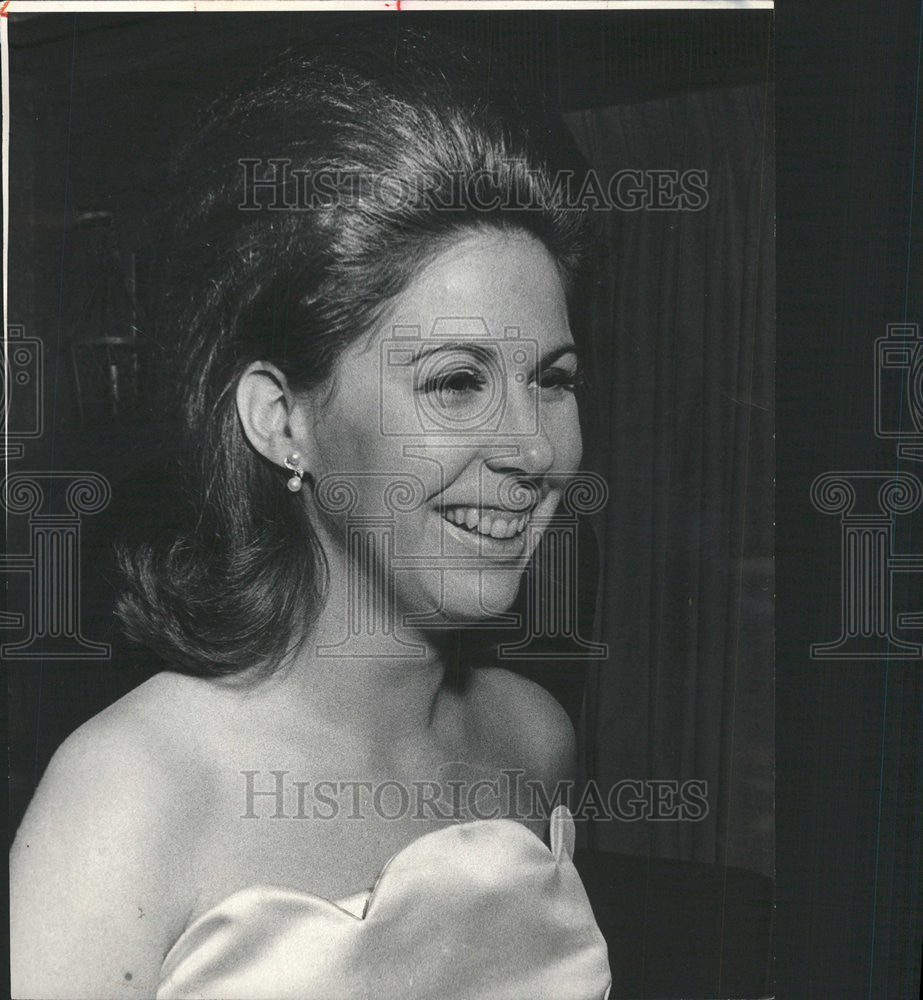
{"x":442,"y":382}
{"x":563,"y":379}
{"x":560,"y":379}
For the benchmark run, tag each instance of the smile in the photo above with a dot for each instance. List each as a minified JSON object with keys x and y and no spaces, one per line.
{"x":492,"y":523}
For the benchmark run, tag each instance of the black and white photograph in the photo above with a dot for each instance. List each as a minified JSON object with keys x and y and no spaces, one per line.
{"x":390,"y":470}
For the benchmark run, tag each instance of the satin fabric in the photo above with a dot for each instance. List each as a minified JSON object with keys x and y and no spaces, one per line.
{"x":476,"y":911}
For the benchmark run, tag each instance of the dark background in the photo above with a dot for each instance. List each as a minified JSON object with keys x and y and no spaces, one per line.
{"x":849,"y":733}
{"x":98,"y":103}
{"x":848,"y":795}
{"x":676,"y":570}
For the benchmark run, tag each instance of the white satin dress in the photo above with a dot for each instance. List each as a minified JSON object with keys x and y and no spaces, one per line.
{"x":481,"y":910}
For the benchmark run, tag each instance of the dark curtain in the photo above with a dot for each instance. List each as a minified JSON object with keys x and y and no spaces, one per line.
{"x":682,"y":325}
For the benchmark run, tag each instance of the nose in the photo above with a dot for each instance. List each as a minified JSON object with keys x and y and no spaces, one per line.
{"x":526,"y":443}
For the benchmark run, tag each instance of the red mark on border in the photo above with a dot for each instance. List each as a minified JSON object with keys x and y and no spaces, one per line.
{"x":3,"y":12}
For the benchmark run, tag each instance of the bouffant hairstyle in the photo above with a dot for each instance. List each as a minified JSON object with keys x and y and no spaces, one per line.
{"x":312,"y":195}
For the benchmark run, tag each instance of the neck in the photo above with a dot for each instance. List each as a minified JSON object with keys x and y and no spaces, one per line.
{"x":378,"y":683}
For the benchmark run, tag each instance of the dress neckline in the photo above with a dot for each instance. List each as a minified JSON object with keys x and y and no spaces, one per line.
{"x":560,"y":835}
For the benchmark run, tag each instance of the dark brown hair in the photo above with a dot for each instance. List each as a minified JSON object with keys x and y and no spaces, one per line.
{"x":288,"y":248}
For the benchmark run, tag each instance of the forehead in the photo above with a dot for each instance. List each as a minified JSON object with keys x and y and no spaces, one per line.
{"x":502,"y":279}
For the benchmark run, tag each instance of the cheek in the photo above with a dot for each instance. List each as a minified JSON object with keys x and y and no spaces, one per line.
{"x":563,"y":430}
{"x":383,"y":477}
{"x":349,"y":439}
{"x":441,"y":465}
{"x":357,"y":468}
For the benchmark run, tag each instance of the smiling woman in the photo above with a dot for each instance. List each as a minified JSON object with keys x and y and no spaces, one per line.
{"x":257,"y":273}
{"x":495,"y":419}
{"x":381,"y":410}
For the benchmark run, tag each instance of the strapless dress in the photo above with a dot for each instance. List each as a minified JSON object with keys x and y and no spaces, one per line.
{"x":480,"y":910}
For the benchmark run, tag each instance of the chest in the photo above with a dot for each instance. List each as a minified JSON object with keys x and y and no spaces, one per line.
{"x":327,"y":821}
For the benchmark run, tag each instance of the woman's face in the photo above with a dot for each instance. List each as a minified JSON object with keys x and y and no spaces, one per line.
{"x":464,"y":393}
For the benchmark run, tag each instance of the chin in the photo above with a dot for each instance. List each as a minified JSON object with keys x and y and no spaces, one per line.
{"x":465,"y":596}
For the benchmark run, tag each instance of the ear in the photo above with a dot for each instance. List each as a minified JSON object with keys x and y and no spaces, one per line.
{"x":272,"y":418}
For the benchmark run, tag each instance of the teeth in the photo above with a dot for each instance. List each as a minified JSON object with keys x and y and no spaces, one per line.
{"x":490,"y":523}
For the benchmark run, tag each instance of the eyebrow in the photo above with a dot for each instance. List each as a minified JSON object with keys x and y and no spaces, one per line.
{"x":476,"y":348}
{"x":558,"y":352}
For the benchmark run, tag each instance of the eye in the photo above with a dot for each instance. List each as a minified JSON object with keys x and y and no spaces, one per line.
{"x":560,"y":380}
{"x":454,"y":384}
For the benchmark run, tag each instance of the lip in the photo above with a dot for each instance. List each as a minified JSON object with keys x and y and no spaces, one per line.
{"x":527,"y":510}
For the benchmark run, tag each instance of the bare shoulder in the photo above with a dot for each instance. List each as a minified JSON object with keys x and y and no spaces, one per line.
{"x":142,"y":745}
{"x":98,"y":863}
{"x":125,"y":773}
{"x":529,"y":720}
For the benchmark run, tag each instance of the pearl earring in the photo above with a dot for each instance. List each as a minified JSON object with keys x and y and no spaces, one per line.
{"x":293,"y":462}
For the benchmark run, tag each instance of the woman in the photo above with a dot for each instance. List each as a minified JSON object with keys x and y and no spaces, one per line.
{"x":379,"y":394}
